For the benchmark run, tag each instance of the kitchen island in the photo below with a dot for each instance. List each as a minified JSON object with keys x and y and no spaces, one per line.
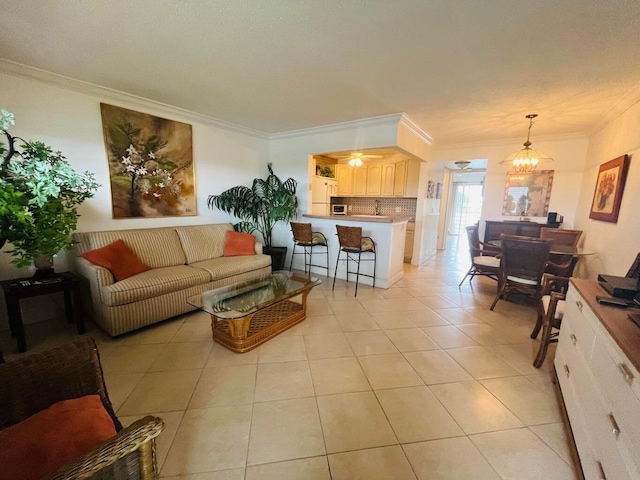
{"x":387,"y":231}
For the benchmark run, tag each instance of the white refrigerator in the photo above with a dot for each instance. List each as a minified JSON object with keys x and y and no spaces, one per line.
{"x":322,"y":189}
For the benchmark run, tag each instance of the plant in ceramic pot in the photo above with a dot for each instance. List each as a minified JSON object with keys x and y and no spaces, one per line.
{"x":268,"y":201}
{"x":39,"y":196}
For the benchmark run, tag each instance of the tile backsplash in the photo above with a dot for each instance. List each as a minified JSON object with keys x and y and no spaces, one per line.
{"x":388,"y":205}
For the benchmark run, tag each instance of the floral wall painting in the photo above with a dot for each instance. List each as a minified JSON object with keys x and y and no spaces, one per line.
{"x":150,"y":164}
{"x":607,"y":196}
{"x":528,"y":194}
{"x":438,"y":190}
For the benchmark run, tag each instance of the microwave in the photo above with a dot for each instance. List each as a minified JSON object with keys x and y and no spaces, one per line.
{"x":338,"y":209}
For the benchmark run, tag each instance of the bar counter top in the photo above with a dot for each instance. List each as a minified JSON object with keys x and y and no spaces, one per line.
{"x":364,"y":218}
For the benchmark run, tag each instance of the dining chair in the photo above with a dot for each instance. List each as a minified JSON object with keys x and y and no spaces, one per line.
{"x":550,"y":314}
{"x":522,"y":265}
{"x":305,"y":237}
{"x":484,"y":259}
{"x":559,"y":264}
{"x":353,"y":244}
{"x":634,"y":270}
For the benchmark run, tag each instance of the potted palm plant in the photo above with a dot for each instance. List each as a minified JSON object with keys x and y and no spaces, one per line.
{"x":39,"y":195}
{"x":268,"y":201}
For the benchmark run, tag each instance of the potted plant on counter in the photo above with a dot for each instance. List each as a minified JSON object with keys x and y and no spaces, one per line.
{"x":39,"y":196}
{"x":268,"y":201}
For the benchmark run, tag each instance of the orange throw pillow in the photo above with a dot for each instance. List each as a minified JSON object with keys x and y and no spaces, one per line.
{"x":236,"y":244}
{"x":38,"y":446}
{"x":118,"y":258}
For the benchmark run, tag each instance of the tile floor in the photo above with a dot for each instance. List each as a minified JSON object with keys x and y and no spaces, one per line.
{"x":420,"y":381}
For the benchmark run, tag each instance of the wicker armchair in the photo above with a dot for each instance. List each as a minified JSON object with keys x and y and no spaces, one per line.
{"x":37,"y":381}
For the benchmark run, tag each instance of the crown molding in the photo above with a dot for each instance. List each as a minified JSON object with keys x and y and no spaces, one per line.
{"x":625,"y":102}
{"x":414,"y":128}
{"x":16,"y":69}
{"x":512,"y":141}
{"x":382,"y":120}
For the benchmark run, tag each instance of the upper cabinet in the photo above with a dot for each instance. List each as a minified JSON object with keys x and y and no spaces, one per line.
{"x":360,"y":181}
{"x":344,"y":175}
{"x":374,"y":179}
{"x":398,"y":179}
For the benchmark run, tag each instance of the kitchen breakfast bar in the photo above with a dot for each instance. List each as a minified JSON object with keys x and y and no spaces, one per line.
{"x":387,"y":231}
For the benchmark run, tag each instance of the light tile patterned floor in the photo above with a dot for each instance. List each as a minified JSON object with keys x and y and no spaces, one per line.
{"x":420,"y":381}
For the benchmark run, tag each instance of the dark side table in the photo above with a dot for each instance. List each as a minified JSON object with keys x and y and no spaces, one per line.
{"x":17,"y":289}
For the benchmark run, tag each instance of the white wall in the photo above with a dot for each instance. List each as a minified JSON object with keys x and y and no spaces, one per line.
{"x":70,"y":121}
{"x":616,"y":244}
{"x":569,"y":154}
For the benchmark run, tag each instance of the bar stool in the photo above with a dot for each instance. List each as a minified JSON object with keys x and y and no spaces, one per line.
{"x":353,"y":243}
{"x":308,"y":240}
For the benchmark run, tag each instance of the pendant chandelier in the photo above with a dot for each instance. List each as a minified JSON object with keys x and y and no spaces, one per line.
{"x":527,"y":159}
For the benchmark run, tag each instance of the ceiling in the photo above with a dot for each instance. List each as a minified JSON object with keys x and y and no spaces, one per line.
{"x":464,"y":70}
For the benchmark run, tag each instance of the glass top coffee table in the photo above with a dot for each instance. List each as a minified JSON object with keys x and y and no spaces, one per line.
{"x":247,"y":314}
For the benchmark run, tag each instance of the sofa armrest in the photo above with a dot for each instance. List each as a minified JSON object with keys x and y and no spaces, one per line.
{"x":258,"y":248}
{"x":98,"y":276}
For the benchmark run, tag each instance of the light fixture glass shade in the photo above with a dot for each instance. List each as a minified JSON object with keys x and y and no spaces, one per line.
{"x":355,"y":162}
{"x":527,"y":159}
{"x":462,"y":164}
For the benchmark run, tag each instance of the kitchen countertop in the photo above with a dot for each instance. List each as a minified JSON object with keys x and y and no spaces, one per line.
{"x":365,"y":218}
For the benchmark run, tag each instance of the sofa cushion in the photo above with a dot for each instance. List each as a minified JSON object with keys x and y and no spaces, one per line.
{"x":237,"y":244}
{"x":52,"y":438}
{"x":202,"y":242}
{"x":152,"y":283}
{"x":156,"y":247}
{"x":118,"y":258}
{"x":224,"y":267}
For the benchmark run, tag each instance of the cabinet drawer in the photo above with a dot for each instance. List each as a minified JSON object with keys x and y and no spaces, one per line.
{"x":615,"y":376}
{"x":606,"y":446}
{"x":581,"y":321}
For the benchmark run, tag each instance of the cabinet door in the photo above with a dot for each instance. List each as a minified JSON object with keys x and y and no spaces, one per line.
{"x":374,"y":180}
{"x":360,"y":181}
{"x":388,"y":175}
{"x":318,"y":190}
{"x":344,"y":177}
{"x":400,"y":179}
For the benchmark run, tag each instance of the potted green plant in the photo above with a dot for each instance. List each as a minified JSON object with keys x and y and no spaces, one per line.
{"x":268,"y":201}
{"x":39,"y":195}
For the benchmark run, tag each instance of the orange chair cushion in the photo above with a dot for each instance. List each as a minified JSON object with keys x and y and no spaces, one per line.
{"x":118,"y":258}
{"x":43,"y":443}
{"x":236,"y":244}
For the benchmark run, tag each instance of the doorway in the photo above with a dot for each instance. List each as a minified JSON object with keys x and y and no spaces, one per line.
{"x":466,"y":206}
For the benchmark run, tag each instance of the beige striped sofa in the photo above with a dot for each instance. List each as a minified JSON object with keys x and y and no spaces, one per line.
{"x":183,"y":261}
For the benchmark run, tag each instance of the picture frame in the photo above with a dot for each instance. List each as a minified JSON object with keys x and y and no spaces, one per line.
{"x":607,"y":194}
{"x":527,"y":194}
{"x":431,"y":189}
{"x":150,"y":161}
{"x":438,"y":190}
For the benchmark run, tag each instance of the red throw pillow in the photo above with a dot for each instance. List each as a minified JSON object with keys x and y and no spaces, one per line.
{"x":38,"y":446}
{"x":236,"y":244}
{"x":118,"y":258}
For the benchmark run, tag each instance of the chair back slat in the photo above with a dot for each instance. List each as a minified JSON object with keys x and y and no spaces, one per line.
{"x":349,"y":237}
{"x":524,"y":257}
{"x":301,"y":232}
{"x":561,"y":236}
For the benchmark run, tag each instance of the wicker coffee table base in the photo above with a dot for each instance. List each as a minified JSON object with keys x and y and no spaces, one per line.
{"x":246,"y":333}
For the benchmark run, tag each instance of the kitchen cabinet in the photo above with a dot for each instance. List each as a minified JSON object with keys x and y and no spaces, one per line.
{"x":344,"y":176}
{"x":360,"y":181}
{"x":597,"y":366}
{"x":388,"y":176}
{"x":400,"y":178}
{"x":374,"y":180}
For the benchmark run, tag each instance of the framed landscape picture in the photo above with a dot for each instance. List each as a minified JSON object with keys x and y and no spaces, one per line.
{"x":607,"y":196}
{"x":150,"y":164}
